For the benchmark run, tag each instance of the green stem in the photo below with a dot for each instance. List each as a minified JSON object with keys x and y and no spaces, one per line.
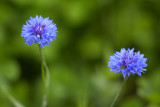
{"x":11,"y":98}
{"x":45,"y":78}
{"x":14,"y":101}
{"x":117,"y":95}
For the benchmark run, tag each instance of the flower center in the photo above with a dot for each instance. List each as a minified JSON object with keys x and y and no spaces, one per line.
{"x":125,"y":62}
{"x":130,"y":60}
{"x":39,"y":30}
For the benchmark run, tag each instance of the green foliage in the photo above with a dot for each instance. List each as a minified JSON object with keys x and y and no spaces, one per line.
{"x":89,"y":32}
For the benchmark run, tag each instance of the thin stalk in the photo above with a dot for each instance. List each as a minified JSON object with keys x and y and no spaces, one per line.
{"x":14,"y":101}
{"x":119,"y":92}
{"x":45,"y":78}
{"x":11,"y":98}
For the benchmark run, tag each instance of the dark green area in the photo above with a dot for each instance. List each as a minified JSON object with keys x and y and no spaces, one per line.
{"x":89,"y":31}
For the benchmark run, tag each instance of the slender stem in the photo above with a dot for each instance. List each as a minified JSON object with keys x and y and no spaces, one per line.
{"x":11,"y":98}
{"x":117,"y":95}
{"x":14,"y":101}
{"x":46,"y":78}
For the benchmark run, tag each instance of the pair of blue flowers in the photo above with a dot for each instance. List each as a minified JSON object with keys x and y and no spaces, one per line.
{"x":42,"y":30}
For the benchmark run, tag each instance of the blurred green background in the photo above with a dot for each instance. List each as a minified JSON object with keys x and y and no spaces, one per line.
{"x":89,"y":32}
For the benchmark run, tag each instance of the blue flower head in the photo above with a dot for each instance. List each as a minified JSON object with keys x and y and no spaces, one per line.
{"x":39,"y":30}
{"x":127,"y":62}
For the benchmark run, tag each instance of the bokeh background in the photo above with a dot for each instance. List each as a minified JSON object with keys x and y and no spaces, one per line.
{"x":89,"y":32}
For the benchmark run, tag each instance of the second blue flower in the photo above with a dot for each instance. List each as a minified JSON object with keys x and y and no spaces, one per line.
{"x":128,"y":62}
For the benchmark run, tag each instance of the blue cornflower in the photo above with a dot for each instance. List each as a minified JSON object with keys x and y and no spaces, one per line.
{"x":128,"y":62}
{"x":39,"y":30}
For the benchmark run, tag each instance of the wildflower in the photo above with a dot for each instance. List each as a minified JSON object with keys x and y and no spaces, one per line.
{"x":39,"y":30}
{"x":128,"y":62}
